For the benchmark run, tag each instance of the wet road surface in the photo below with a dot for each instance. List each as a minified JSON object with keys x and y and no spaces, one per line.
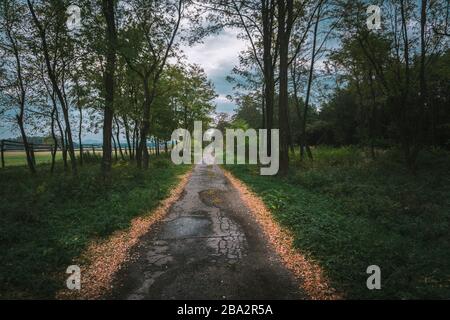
{"x":208,"y":247}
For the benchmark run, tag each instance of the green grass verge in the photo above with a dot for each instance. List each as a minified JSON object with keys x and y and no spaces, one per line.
{"x":349,"y":212}
{"x":46,"y":221}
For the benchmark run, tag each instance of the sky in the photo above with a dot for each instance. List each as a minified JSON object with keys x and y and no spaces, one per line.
{"x":217,"y":55}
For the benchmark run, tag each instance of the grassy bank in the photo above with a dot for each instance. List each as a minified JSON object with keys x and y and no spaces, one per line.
{"x":46,"y":220}
{"x":348,"y":212}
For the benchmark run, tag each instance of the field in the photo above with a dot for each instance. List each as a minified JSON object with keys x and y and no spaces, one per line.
{"x":47,"y":220}
{"x":18,"y":158}
{"x":348,"y":212}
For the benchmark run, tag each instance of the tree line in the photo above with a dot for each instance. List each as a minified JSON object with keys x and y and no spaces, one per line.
{"x":316,"y":71}
{"x":312,"y":68}
{"x":121,"y":72}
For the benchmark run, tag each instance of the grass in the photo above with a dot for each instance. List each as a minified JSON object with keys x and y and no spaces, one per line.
{"x":46,"y":221}
{"x":349,"y":212}
{"x":18,"y":158}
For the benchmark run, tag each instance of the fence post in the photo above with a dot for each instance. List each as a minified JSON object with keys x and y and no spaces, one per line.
{"x":3,"y":155}
{"x":93,"y":150}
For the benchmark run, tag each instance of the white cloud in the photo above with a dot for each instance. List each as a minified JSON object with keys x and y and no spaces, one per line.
{"x":216,"y":52}
{"x":222,"y":99}
{"x":217,"y":55}
{"x":224,"y":104}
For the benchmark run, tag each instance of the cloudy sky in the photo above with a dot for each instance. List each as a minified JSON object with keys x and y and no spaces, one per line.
{"x":217,"y":55}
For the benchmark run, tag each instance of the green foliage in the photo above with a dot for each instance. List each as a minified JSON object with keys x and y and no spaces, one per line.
{"x":46,"y":222}
{"x":188,"y":97}
{"x":161,"y":163}
{"x":249,"y":111}
{"x":349,"y":212}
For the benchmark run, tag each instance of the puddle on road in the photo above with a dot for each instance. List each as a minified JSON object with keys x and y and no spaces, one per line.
{"x":203,"y":234}
{"x":197,"y":225}
{"x":182,"y":233}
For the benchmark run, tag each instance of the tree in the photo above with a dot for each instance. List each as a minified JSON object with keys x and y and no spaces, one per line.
{"x":285,"y":24}
{"x":249,"y":110}
{"x":13,"y":80}
{"x":147,"y":43}
{"x":54,"y":28}
{"x":258,"y":22}
{"x":108,"y":10}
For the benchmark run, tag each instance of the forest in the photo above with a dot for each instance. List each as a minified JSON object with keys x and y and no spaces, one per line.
{"x":360,"y":97}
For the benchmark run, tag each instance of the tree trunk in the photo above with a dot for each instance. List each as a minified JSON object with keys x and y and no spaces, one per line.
{"x":33,"y":158}
{"x":63,"y":141}
{"x":108,"y":9}
{"x":136,"y":140}
{"x":27,"y":147}
{"x":268,"y":9}
{"x":60,"y":129}
{"x":304,"y":142}
{"x":118,"y":138}
{"x":22,"y":96}
{"x":55,"y":142}
{"x":420,"y":133}
{"x":263,"y":107}
{"x":53,"y":79}
{"x":115,"y":147}
{"x":405,"y":120}
{"x":127,"y":136}
{"x":285,"y":12}
{"x":2,"y":150}
{"x":297,"y":101}
{"x":80,"y":127}
{"x":142,"y":157}
{"x":288,"y":124}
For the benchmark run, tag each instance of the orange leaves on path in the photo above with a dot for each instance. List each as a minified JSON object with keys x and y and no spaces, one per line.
{"x":309,"y":273}
{"x":104,"y":258}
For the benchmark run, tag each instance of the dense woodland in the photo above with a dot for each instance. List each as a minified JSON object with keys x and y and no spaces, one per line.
{"x":324,"y":78}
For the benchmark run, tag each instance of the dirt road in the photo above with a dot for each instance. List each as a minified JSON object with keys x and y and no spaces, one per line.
{"x":208,"y":247}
